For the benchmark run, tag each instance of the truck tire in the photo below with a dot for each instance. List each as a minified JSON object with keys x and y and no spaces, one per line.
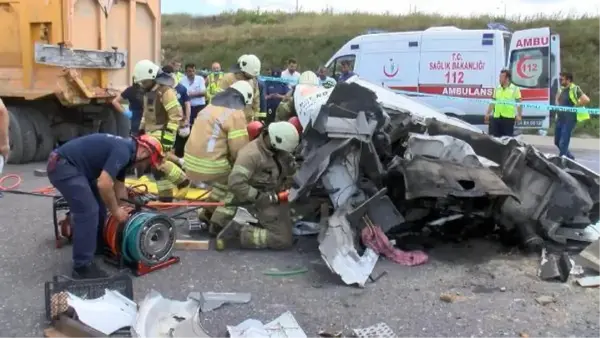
{"x":109,"y":123}
{"x":28,"y":137}
{"x":16,"y":140}
{"x":123,"y":124}
{"x":43,"y":132}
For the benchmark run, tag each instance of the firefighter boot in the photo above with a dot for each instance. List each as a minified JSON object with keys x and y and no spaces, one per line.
{"x":228,"y":234}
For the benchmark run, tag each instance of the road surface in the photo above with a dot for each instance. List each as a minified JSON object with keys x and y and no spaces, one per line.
{"x":407,"y":298}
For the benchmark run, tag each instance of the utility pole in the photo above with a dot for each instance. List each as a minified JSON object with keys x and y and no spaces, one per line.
{"x":297,"y":6}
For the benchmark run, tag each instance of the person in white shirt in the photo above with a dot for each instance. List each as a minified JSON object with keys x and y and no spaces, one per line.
{"x":196,"y":90}
{"x":291,"y":74}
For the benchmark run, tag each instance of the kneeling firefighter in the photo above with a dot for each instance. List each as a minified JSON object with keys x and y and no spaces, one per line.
{"x":286,"y":109}
{"x":258,"y":176}
{"x":162,"y":119}
{"x":218,"y":134}
{"x":89,"y":172}
{"x":247,"y":68}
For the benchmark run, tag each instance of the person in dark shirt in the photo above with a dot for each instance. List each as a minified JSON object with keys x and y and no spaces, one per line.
{"x":89,"y":172}
{"x":275,"y":91}
{"x":134,"y":95}
{"x":185,"y":102}
{"x":346,"y":72}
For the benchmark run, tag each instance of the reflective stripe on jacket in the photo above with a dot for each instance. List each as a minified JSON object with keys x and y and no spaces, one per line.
{"x":511,"y":93}
{"x":573,"y":88}
{"x":162,"y":115}
{"x":212,"y":84}
{"x":230,"y":78}
{"x":217,"y":136}
{"x":257,"y":169}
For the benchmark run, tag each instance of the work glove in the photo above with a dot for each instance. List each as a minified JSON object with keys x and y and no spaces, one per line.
{"x":184,"y":131}
{"x":266,"y":198}
{"x":128,"y":113}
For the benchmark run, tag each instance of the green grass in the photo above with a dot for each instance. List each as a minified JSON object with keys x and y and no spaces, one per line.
{"x":312,"y":38}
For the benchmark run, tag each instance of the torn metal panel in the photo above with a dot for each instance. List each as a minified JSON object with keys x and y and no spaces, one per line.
{"x":106,"y":314}
{"x":159,"y":317}
{"x":555,"y":266}
{"x":443,"y":147}
{"x":190,"y":327}
{"x":424,"y":177}
{"x":338,"y":250}
{"x":380,"y":210}
{"x":590,"y":256}
{"x":213,"y":300}
{"x":282,"y":327}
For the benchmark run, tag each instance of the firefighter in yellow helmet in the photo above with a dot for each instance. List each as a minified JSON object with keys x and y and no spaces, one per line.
{"x":248,"y":69}
{"x":162,"y":119}
{"x":286,"y":109}
{"x":218,"y":134}
{"x":259,"y":176}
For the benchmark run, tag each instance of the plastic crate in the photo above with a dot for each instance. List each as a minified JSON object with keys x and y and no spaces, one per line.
{"x":86,"y":289}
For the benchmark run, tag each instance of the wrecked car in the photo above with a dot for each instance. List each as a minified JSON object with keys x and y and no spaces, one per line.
{"x":386,"y":160}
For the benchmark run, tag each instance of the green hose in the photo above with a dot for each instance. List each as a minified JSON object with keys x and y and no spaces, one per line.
{"x":131,"y":249}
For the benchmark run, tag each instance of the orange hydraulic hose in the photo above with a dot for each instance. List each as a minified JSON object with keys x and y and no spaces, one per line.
{"x":111,"y":231}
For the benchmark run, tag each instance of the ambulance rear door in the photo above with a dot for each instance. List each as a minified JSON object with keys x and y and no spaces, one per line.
{"x":530,"y":62}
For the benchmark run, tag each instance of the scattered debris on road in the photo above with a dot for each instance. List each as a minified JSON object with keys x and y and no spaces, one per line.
{"x":545,"y":300}
{"x":589,"y":281}
{"x":380,"y":330}
{"x":283,"y":326}
{"x":451,"y":297}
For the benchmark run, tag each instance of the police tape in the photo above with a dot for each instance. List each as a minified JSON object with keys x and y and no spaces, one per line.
{"x":538,"y":106}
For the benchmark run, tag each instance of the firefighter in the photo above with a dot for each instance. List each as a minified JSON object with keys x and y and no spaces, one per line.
{"x":212,"y":81}
{"x":162,"y":119}
{"x":218,"y":134}
{"x":248,"y":69}
{"x":286,"y":109}
{"x":258,"y":177}
{"x":89,"y":172}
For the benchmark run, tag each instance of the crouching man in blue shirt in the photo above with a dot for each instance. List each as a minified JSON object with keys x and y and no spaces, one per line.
{"x":89,"y":172}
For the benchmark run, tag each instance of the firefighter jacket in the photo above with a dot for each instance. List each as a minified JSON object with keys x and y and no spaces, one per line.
{"x":259,"y":169}
{"x":212,"y":84}
{"x":162,"y":115}
{"x":286,"y":109}
{"x":218,"y":134}
{"x":252,"y":109}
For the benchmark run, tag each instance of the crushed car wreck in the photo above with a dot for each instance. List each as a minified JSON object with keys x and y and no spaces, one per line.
{"x":387,"y":161}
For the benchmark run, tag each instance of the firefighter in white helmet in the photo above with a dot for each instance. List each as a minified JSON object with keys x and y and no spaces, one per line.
{"x":162,"y":118}
{"x":259,"y":177}
{"x":218,"y":135}
{"x":286,"y":109}
{"x":247,"y":68}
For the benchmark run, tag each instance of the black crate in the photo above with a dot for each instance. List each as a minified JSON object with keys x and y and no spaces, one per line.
{"x":87,"y":289}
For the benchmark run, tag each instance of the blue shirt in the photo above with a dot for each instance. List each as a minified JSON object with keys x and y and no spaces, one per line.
{"x":274,"y":87}
{"x":96,"y":152}
{"x":345,"y":76}
{"x":182,"y":95}
{"x":261,"y":92}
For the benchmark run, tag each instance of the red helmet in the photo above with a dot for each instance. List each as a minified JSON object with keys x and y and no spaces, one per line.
{"x":296,"y":122}
{"x":153,"y":146}
{"x":254,"y":128}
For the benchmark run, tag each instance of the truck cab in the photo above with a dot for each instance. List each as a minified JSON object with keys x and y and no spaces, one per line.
{"x":456,"y":70}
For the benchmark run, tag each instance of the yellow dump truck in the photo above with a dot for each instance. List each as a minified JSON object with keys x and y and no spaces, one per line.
{"x":63,"y":61}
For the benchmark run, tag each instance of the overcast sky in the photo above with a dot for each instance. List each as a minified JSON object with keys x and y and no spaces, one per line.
{"x":512,"y":7}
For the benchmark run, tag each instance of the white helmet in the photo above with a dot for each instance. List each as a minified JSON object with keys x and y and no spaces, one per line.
{"x":283,"y":136}
{"x":244,"y":88}
{"x":308,"y":78}
{"x":249,"y":64}
{"x":145,"y":70}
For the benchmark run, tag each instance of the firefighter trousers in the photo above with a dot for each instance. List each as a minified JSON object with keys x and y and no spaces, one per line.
{"x":168,"y":175}
{"x":274,"y":232}
{"x":88,"y":212}
{"x":220,"y":216}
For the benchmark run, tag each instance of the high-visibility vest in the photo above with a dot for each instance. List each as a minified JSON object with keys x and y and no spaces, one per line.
{"x":573,"y":88}
{"x":509,"y":94}
{"x":213,"y":84}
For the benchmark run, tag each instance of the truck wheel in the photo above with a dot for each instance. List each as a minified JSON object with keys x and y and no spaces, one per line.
{"x":109,"y":123}
{"x":43,"y":133}
{"x":123,"y":124}
{"x":28,"y":138}
{"x":16,"y":140}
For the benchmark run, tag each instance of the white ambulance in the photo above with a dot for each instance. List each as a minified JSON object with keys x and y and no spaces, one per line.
{"x":459,"y":64}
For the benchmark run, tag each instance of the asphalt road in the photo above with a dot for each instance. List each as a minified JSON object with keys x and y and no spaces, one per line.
{"x":407,"y":298}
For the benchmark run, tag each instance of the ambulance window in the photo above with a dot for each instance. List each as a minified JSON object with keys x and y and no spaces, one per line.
{"x":336,"y":66}
{"x":529,"y":67}
{"x":506,"y":46}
